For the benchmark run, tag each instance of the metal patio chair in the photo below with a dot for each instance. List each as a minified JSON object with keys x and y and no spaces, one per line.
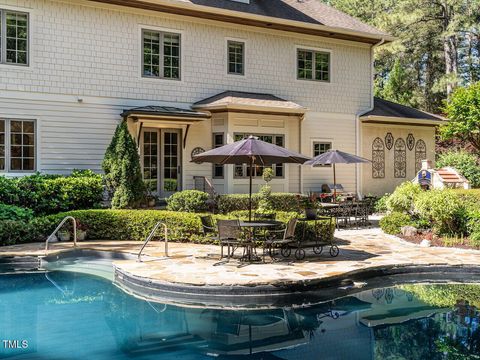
{"x":280,"y":239}
{"x":229,"y":234}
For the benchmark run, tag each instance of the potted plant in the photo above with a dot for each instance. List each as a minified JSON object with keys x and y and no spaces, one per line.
{"x":310,"y":206}
{"x":81,"y":231}
{"x":64,"y":235}
{"x":150,"y":198}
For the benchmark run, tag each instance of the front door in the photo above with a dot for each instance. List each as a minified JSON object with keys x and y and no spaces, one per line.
{"x":162,"y":160}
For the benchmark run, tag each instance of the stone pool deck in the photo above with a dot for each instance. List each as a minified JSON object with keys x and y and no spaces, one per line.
{"x":195,"y":265}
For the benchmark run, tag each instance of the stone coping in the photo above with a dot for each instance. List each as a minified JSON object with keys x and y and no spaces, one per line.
{"x":194,"y":269}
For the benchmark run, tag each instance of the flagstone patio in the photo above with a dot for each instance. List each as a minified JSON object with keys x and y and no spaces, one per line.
{"x":199,"y":265}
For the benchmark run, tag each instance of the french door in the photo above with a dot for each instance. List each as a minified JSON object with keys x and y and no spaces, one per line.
{"x":161,"y":155}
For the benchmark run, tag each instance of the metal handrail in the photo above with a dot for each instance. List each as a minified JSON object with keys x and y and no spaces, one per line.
{"x":152,"y":234}
{"x":59,"y":227}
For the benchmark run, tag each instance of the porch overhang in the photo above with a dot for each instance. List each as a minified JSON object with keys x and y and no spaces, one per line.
{"x":238,"y":101}
{"x":166,"y":114}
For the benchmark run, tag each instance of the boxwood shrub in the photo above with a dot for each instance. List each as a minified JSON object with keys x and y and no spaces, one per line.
{"x":188,"y":201}
{"x":49,"y":194}
{"x":236,"y":202}
{"x":136,"y":225}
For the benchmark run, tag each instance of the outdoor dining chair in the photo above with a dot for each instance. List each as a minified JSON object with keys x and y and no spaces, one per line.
{"x":280,"y":239}
{"x":229,"y":234}
{"x":208,"y":227}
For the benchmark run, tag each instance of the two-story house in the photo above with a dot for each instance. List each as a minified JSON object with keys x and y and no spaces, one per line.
{"x":190,"y":75}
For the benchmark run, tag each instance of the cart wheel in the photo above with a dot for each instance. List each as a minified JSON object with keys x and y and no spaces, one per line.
{"x":286,"y":251}
{"x":334,"y":251}
{"x":317,"y":249}
{"x":300,"y":254}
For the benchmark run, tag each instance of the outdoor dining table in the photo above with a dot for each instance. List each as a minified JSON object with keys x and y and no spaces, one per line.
{"x":250,"y":254}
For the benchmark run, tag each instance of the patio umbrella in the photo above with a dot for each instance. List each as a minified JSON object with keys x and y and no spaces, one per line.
{"x":251,"y":151}
{"x":333,"y":157}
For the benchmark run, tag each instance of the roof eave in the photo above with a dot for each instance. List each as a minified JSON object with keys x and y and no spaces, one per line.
{"x":403,"y":120}
{"x":212,"y":13}
{"x":252,"y":108}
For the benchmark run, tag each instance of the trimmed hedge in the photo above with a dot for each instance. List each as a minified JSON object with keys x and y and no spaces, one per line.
{"x":237,"y":202}
{"x":135,"y":225}
{"x":188,"y":201}
{"x":49,"y":194}
{"x":15,"y":213}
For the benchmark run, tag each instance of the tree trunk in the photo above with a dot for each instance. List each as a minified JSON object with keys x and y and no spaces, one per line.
{"x":450,"y":48}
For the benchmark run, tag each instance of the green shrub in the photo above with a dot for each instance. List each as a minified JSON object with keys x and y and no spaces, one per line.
{"x":381,"y":204}
{"x":47,"y":194}
{"x":236,"y":202}
{"x":137,"y":224}
{"x":444,"y":209}
{"x":403,"y":197}
{"x":188,"y":201}
{"x":466,"y":163}
{"x":15,"y":213}
{"x":393,"y":222}
{"x":123,"y":175}
{"x":16,"y":232}
{"x":473,"y":226}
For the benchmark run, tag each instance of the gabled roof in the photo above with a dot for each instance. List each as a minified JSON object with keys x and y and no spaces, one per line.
{"x":240,"y":99}
{"x":164,"y":111}
{"x":385,"y":108}
{"x":311,"y":17}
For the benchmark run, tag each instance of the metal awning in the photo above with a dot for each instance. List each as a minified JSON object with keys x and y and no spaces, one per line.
{"x":165,"y":113}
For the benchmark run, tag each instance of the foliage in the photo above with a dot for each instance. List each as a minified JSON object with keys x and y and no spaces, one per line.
{"x":235,"y":202}
{"x":436,"y":46}
{"x":473,"y":226}
{"x":47,"y":194}
{"x":265,"y":203}
{"x":466,"y":163}
{"x":445,"y":295}
{"x":15,"y":213}
{"x":16,"y":232}
{"x":444,"y":209}
{"x":136,"y":224}
{"x":121,"y":164}
{"x":188,"y":201}
{"x":381,"y":204}
{"x":463,"y":112}
{"x":267,"y":175}
{"x":393,"y":222}
{"x":402,"y":198}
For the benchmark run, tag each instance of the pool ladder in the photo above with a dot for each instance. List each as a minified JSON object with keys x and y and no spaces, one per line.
{"x":60,"y":226}
{"x":151,"y":235}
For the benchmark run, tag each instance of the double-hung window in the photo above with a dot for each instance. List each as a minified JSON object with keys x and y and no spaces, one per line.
{"x":17,"y":145}
{"x":320,"y":148}
{"x":14,"y":46}
{"x":236,"y":57}
{"x":161,"y":55}
{"x":313,"y":65}
{"x":257,"y":170}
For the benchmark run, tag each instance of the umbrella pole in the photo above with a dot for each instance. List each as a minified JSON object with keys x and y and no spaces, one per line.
{"x":334,"y":185}
{"x":251,"y":186}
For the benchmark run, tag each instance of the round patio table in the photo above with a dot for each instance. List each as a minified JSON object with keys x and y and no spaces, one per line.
{"x":250,"y":253}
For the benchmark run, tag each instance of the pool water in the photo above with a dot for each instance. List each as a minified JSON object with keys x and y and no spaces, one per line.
{"x":70,"y":315}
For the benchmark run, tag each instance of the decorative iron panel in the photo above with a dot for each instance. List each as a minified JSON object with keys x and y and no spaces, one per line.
{"x":378,"y":159}
{"x":410,"y":142}
{"x":400,"y":159}
{"x":389,"y":141}
{"x":420,"y":154}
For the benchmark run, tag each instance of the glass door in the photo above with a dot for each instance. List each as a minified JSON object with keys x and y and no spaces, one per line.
{"x":150,"y":160}
{"x":171,"y":180}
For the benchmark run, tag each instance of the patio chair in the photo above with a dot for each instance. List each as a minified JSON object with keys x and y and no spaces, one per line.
{"x":229,"y":234}
{"x":280,"y":239}
{"x":208,"y":227}
{"x":362,"y":211}
{"x":343,"y":214}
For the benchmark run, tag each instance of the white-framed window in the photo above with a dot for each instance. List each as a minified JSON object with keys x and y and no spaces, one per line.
{"x":243,"y":171}
{"x":17,"y":145}
{"x":161,"y":54}
{"x":218,"y":170}
{"x":321,"y":147}
{"x":313,"y":65}
{"x":14,"y":37}
{"x":235,"y":57}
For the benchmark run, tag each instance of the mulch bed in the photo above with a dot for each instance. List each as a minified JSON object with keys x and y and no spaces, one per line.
{"x":436,"y":241}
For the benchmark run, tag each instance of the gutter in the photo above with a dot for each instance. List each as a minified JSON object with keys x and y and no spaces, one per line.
{"x":358,"y":172}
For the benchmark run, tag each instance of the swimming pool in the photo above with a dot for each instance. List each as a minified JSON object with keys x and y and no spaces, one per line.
{"x":79,"y":315}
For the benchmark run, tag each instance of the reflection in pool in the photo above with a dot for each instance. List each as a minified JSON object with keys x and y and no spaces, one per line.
{"x":66,"y":315}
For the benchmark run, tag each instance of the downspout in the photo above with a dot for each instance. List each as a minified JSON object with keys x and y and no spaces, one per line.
{"x":358,"y":172}
{"x":300,"y":168}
